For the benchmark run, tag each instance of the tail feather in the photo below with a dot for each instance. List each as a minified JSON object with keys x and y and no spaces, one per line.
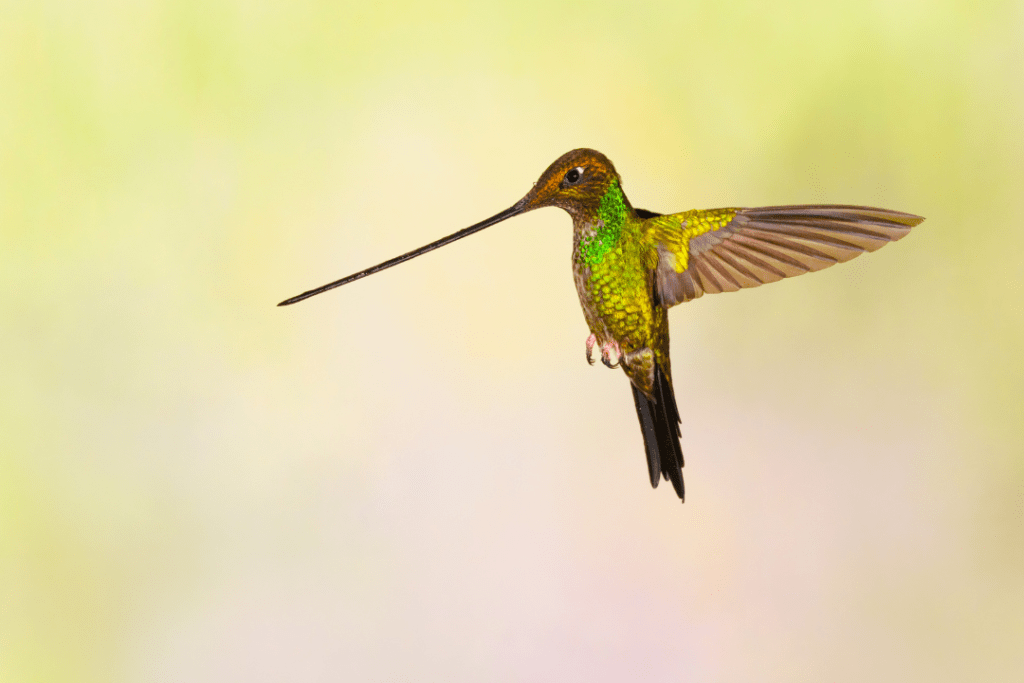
{"x":645,"y":410}
{"x":659,"y":423}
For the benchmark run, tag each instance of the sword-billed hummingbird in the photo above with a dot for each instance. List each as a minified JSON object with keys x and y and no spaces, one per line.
{"x":631,"y":265}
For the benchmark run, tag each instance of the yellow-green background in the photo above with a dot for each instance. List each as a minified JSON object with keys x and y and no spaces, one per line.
{"x":418,"y":477}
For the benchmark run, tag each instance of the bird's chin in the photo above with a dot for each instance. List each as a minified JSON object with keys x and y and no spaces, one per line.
{"x":578,"y":210}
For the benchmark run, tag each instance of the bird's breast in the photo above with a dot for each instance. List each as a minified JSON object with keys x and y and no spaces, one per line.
{"x":614,"y":292}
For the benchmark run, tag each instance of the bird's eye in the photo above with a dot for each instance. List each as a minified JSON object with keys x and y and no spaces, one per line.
{"x":574,"y":175}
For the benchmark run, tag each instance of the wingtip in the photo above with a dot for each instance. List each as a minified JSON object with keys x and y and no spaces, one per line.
{"x":907,"y":219}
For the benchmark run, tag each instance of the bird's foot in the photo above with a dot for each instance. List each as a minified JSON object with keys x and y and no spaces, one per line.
{"x":611,"y":354}
{"x":591,"y":340}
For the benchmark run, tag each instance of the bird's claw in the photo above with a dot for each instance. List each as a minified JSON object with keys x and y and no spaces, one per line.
{"x":608,"y":352}
{"x":611,"y":353}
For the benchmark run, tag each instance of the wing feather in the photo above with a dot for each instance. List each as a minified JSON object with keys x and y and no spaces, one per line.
{"x":745,"y":276}
{"x":724,"y":250}
{"x":730,"y":284}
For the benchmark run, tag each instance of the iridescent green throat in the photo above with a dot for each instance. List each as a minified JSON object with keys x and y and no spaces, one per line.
{"x":611,"y":216}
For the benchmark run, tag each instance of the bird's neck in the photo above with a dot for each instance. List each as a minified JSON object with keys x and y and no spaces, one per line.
{"x":599,"y":231}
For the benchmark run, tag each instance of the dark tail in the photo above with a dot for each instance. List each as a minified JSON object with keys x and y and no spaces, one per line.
{"x":659,"y":421}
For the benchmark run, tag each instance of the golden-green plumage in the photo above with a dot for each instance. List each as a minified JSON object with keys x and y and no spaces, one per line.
{"x":675,"y":231}
{"x":613,"y":260}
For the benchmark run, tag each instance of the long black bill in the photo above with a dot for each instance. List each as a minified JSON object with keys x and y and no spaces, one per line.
{"x":514,"y":210}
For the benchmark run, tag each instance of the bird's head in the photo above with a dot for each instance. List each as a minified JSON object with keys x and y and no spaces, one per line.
{"x":576,"y":182}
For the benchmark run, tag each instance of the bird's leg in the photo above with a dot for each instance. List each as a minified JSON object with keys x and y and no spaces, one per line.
{"x":609,"y":351}
{"x":591,"y":340}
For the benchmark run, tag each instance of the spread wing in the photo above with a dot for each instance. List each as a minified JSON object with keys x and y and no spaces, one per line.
{"x":723,"y":250}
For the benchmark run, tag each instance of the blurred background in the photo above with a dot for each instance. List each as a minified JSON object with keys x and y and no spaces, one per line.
{"x":418,"y":477}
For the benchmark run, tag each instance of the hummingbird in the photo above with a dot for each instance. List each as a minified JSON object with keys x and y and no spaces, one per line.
{"x":631,"y":265}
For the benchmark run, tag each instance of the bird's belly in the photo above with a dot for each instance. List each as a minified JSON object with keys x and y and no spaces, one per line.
{"x":616,"y":302}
